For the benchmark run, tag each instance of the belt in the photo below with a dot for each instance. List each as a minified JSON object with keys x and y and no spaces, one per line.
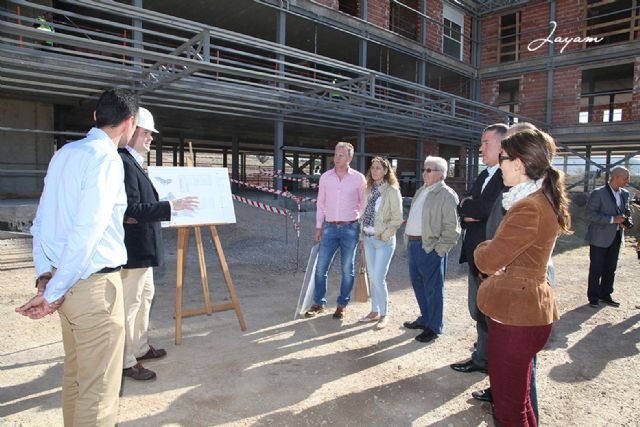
{"x":108,"y":270}
{"x":414,"y":237}
{"x":342,"y":222}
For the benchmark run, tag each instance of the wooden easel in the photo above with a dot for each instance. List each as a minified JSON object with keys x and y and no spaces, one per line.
{"x":183,"y":243}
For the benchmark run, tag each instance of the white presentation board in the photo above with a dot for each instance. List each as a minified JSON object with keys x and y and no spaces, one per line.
{"x":211,"y":185}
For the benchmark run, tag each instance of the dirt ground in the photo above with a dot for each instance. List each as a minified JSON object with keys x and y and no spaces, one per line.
{"x":322,"y":371}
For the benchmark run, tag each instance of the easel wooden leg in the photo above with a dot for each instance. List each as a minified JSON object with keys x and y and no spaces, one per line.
{"x":183,"y":242}
{"x":203,"y":271}
{"x":227,"y":277}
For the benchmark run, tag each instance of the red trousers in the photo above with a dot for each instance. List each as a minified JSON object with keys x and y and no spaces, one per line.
{"x":511,"y":350}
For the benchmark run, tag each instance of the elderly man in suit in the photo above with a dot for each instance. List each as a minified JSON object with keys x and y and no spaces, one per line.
{"x":608,"y":213}
{"x":474,"y":209}
{"x":143,"y":240}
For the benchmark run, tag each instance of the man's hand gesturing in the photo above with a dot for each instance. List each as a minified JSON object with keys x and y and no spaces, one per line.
{"x":189,"y":203}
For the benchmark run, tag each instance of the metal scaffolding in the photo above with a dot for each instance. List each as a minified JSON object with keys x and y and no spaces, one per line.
{"x":187,"y":66}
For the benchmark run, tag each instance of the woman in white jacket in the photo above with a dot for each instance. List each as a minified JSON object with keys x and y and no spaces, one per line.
{"x":380,"y":218}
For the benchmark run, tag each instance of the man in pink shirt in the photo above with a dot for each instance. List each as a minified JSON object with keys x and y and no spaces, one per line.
{"x":340,"y":198}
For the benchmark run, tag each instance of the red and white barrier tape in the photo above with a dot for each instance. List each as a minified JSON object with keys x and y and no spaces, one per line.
{"x":269,"y":208}
{"x":282,"y":176}
{"x":274,"y":191}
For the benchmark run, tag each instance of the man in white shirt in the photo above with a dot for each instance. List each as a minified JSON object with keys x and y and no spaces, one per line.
{"x":78,"y":248}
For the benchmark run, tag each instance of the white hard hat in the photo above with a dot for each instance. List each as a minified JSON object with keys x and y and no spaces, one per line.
{"x":145,"y":120}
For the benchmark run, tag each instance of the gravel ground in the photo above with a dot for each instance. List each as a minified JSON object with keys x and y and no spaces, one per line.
{"x":322,"y":371}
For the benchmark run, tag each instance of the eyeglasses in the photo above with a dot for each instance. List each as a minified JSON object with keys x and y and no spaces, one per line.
{"x":429,"y":170}
{"x":501,"y":158}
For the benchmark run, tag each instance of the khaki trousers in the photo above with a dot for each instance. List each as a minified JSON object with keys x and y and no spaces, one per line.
{"x":92,"y":319}
{"x":138,"y":287}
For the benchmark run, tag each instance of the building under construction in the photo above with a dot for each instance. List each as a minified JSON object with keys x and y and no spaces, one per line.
{"x":276,"y":83}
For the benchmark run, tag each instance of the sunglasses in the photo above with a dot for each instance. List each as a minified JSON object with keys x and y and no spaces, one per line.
{"x":502,"y":158}
{"x":429,"y":170}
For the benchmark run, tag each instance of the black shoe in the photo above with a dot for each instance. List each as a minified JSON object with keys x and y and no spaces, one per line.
{"x":594,"y":304}
{"x":427,"y":336}
{"x":483,"y":395}
{"x":139,"y":372}
{"x":413,"y":325}
{"x":610,"y":301}
{"x":468,"y":366}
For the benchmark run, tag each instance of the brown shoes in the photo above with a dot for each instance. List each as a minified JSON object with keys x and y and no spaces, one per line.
{"x":314,"y":310}
{"x":139,"y":373}
{"x":152,"y":354}
{"x":339,"y":314}
{"x":318,"y":308}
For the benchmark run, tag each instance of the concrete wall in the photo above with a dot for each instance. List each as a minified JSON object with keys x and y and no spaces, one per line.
{"x":22,"y":151}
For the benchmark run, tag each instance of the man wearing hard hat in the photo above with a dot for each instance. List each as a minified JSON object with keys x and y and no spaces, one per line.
{"x":143,"y":240}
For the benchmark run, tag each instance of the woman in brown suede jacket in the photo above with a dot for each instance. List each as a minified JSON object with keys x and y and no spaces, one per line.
{"x":516,"y":297}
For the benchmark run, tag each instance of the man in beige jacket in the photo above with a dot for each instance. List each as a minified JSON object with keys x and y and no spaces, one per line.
{"x":432,"y":230}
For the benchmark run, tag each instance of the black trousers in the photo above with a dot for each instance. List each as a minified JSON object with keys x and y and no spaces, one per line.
{"x":602,"y":269}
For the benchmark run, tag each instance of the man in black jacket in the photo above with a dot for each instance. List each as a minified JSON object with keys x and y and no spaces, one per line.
{"x":143,"y":240}
{"x":474,"y":210}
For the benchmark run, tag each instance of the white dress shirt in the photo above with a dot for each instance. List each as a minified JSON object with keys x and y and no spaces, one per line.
{"x":137,"y":156}
{"x":78,"y":226}
{"x":491,"y":171}
{"x":414,"y":221}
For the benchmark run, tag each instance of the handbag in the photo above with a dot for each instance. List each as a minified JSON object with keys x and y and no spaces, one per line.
{"x":361,"y":293}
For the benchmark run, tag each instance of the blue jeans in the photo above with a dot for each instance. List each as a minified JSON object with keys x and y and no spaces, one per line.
{"x":427,"y":272}
{"x":334,"y":236}
{"x":378,"y":255}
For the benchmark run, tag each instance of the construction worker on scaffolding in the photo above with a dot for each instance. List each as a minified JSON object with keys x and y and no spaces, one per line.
{"x":44,"y":23}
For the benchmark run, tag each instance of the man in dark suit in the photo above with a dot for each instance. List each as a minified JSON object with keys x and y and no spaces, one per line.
{"x":143,"y":240}
{"x":608,"y":213}
{"x":474,"y":209}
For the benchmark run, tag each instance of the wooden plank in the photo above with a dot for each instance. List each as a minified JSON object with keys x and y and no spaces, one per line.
{"x":183,"y":242}
{"x":203,"y":310}
{"x":227,"y":277}
{"x":203,"y":269}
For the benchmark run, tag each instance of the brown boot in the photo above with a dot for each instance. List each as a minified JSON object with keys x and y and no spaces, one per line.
{"x":314,"y":310}
{"x":339,"y":314}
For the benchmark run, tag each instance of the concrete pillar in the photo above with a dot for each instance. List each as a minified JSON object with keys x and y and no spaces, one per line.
{"x":224,"y":158}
